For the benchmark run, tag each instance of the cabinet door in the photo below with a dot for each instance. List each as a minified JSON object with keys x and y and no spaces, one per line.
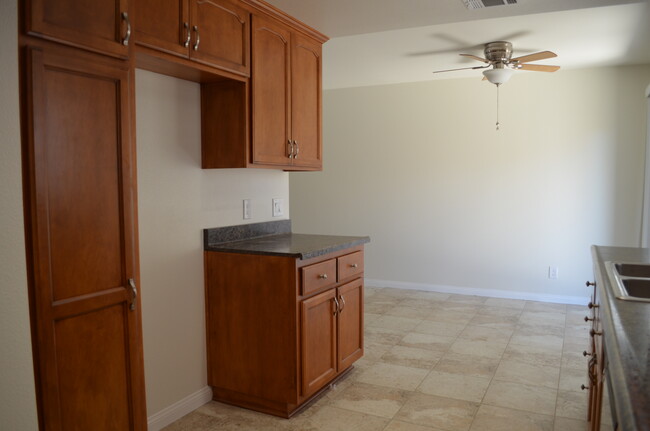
{"x":163,"y":25}
{"x":80,"y":217}
{"x":221,"y":35}
{"x":270,"y":93}
{"x":318,"y":341}
{"x":100,"y":26}
{"x":306,"y":102}
{"x":350,"y":324}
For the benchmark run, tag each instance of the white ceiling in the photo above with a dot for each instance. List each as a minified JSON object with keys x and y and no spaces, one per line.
{"x":378,"y":42}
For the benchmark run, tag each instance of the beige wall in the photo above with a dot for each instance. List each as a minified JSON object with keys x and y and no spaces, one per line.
{"x":17,"y":396}
{"x":449,"y":201}
{"x":177,"y":199}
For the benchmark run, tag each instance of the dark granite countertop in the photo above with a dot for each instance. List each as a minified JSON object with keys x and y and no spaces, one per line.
{"x":275,"y":239}
{"x":626,"y":327}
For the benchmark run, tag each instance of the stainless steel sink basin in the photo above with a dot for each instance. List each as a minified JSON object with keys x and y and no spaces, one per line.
{"x":633,"y":270}
{"x":638,"y":288}
{"x":630,"y":281}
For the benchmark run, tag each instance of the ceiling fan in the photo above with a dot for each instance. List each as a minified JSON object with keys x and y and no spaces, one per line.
{"x":500,"y":64}
{"x":498,"y":57}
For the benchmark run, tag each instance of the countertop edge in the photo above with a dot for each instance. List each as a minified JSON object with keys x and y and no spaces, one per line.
{"x":626,"y":414}
{"x":230,"y":248}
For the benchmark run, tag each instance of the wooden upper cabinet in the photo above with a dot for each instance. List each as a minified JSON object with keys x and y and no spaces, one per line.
{"x":221,"y":34}
{"x":271,"y":93}
{"x":163,"y":25}
{"x":100,"y":26}
{"x":80,"y":201}
{"x":286,"y":88}
{"x":306,"y":60}
{"x":213,"y":32}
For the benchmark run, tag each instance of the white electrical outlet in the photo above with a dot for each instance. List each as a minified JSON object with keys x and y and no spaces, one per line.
{"x":278,"y":210}
{"x":247,"y":209}
{"x":553,"y":272}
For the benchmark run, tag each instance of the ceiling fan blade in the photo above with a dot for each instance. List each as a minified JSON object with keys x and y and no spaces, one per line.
{"x":462,"y":68}
{"x":538,"y":67}
{"x":475,"y":57}
{"x":534,"y":57}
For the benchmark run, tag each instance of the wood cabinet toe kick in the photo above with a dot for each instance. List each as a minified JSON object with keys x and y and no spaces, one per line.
{"x":281,"y":330}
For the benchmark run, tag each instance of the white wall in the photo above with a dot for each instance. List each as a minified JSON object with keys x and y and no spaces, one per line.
{"x":449,"y":201}
{"x":176,"y":200}
{"x":17,"y":395}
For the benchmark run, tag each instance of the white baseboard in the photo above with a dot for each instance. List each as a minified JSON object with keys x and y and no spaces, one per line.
{"x":492,"y":293}
{"x":172,"y":413}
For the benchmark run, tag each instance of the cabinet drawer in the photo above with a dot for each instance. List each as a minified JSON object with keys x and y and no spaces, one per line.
{"x":350,"y":265}
{"x":318,"y":276}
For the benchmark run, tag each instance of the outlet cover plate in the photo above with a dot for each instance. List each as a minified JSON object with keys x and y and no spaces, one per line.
{"x":247,"y":209}
{"x":278,"y":210}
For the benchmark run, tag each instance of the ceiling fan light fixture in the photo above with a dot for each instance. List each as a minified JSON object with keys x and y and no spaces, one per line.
{"x":498,"y":76}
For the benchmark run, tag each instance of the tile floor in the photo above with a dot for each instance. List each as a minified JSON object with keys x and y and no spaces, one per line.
{"x":445,"y":362}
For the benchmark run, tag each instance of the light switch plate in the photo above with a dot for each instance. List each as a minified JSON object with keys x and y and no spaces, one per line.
{"x":278,"y":210}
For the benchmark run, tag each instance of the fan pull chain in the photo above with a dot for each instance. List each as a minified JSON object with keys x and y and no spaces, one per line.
{"x":498,"y":107}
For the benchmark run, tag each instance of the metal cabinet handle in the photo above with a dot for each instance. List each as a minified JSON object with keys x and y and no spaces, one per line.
{"x":342,"y":303}
{"x":593,"y":333}
{"x":588,"y":319}
{"x":134,"y":294}
{"x":290,"y":148}
{"x":354,"y":265}
{"x":323,"y":276}
{"x":186,"y":26}
{"x":198,"y":38}
{"x":583,"y":387}
{"x":336,"y":310}
{"x":125,"y":17}
{"x":585,"y":353}
{"x":295,"y":155}
{"x":592,"y":305}
{"x":589,"y":283}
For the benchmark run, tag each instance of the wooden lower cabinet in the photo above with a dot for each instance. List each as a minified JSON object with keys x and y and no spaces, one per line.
{"x":270,"y":347}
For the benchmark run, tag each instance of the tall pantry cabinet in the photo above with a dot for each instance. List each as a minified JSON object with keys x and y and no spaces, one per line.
{"x":80,"y":209}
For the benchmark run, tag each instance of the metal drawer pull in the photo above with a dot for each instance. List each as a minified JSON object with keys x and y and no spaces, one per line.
{"x":587,"y":319}
{"x":134,"y":294}
{"x":354,"y":265}
{"x":125,"y":17}
{"x":198,"y":38}
{"x":583,"y":387}
{"x":592,"y":305}
{"x":186,"y":26}
{"x":295,"y":156}
{"x":342,"y":303}
{"x":594,"y":332}
{"x":585,"y":353}
{"x":589,"y":283}
{"x":290,"y":149}
{"x":323,"y":276}
{"x":337,"y":306}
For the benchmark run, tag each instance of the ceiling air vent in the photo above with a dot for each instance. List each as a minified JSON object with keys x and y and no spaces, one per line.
{"x":478,"y":4}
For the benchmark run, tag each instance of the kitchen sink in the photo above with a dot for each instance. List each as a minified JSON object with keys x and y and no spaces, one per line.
{"x":630,"y":281}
